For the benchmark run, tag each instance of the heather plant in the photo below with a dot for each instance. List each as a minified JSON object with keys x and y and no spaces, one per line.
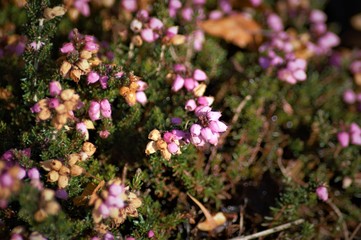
{"x":176,"y":119}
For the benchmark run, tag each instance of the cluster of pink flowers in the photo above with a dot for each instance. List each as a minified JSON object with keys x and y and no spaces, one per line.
{"x":115,"y":202}
{"x":323,"y":40}
{"x":208,"y":127}
{"x":99,"y":108}
{"x":350,"y":136}
{"x":278,"y":53}
{"x":182,"y":79}
{"x":110,"y":204}
{"x":11,"y":174}
{"x":151,"y":28}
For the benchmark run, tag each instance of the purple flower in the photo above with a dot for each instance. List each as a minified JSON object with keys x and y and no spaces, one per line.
{"x":322,"y":193}
{"x":176,"y":121}
{"x":217,"y":126}
{"x":199,"y":75}
{"x":349,"y":96}
{"x":81,"y":127}
{"x":343,"y":139}
{"x":61,"y":194}
{"x":104,"y":134}
{"x":205,"y":101}
{"x":105,"y":108}
{"x":275,"y":22}
{"x":83,"y":7}
{"x":190,"y":84}
{"x":54,"y":88}
{"x":317,"y":16}
{"x":148,"y":35}
{"x":172,"y":148}
{"x":67,"y":48}
{"x":190,"y":105}
{"x":53,"y":102}
{"x":129,"y":5}
{"x":104,"y":82}
{"x":36,"y":45}
{"x":141,"y":98}
{"x":155,"y":23}
{"x":93,"y":77}
{"x":177,"y":83}
{"x":150,"y":234}
{"x":94,"y":110}
{"x":187,"y":14}
{"x":256,"y":3}
{"x":91,"y":46}
{"x":33,"y":173}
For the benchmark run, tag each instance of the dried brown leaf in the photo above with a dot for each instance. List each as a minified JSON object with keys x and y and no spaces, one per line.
{"x":237,"y":29}
{"x":211,"y":222}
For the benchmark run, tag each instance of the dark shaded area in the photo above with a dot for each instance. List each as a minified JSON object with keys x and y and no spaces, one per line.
{"x":341,"y":12}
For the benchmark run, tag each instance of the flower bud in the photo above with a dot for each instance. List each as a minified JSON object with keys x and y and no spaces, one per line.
{"x":83,"y":65}
{"x":343,"y":139}
{"x":56,"y":165}
{"x":67,"y":94}
{"x":33,"y":173}
{"x":50,"y":13}
{"x":136,"y":25}
{"x":161,"y":144}
{"x":76,"y":170}
{"x":65,"y":68}
{"x":199,"y":90}
{"x":190,"y":105}
{"x":63,"y":181}
{"x":85,"y":54}
{"x":44,"y":114}
{"x":61,"y":109}
{"x":75,"y":74}
{"x":137,"y":40}
{"x":40,"y":215}
{"x":93,"y":77}
{"x":131,"y":98}
{"x":73,"y":159}
{"x":123,"y":91}
{"x":178,"y":40}
{"x":89,"y":148}
{"x":177,"y":83}
{"x":105,"y":108}
{"x":64,"y":170}
{"x":322,"y":193}
{"x":52,"y":207}
{"x":67,"y":48}
{"x":61,"y":119}
{"x":53,"y":176}
{"x":199,"y":75}
{"x":94,"y":110}
{"x":141,"y":98}
{"x":151,"y":148}
{"x":47,"y":194}
{"x":54,"y":88}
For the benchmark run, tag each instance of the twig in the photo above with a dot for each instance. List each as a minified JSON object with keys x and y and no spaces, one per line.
{"x":339,"y":214}
{"x":161,"y":58}
{"x":270,"y":231}
{"x":131,"y":51}
{"x":241,"y":217}
{"x":355,"y":231}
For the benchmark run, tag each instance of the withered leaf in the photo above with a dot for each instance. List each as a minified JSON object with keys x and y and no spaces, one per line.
{"x":237,"y":29}
{"x":90,"y":190}
{"x":211,"y":222}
